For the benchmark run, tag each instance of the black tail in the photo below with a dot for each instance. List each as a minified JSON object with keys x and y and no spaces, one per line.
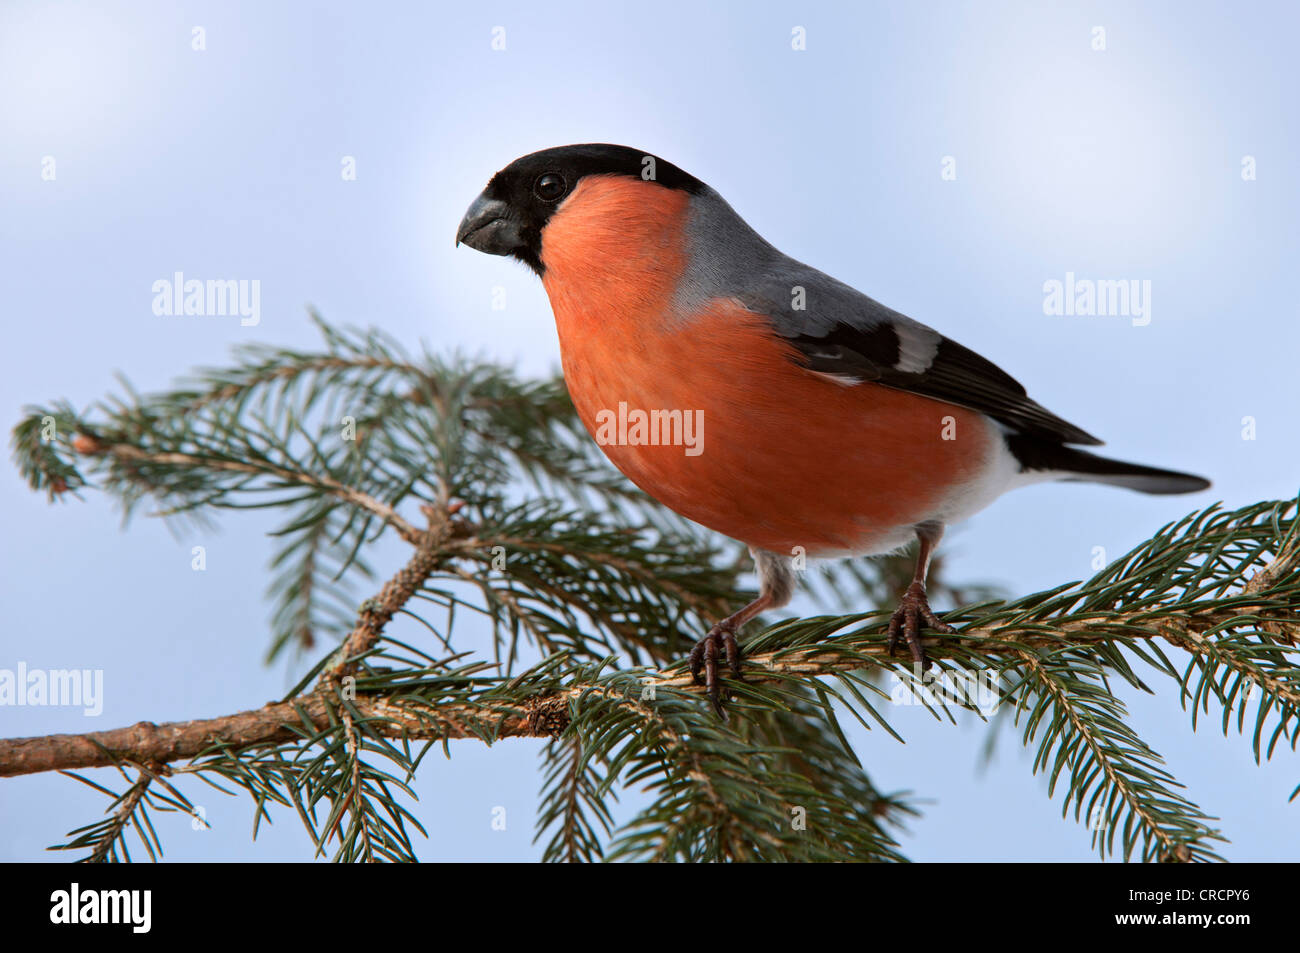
{"x":1081,"y":466}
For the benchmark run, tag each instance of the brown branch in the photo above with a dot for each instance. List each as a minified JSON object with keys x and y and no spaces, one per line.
{"x":546,"y":716}
{"x":149,"y":743}
{"x":431,"y":550}
{"x":177,"y":740}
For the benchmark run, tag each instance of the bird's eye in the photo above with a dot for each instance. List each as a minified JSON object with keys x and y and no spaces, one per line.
{"x":549,"y":186}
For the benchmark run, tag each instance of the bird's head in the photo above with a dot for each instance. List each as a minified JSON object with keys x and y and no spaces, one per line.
{"x":510,"y":216}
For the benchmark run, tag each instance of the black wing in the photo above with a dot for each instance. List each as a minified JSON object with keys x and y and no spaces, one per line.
{"x":955,"y":374}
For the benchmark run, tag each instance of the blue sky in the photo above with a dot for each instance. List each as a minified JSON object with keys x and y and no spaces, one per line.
{"x":1118,"y":164}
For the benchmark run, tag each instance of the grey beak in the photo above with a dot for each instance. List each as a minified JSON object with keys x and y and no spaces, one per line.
{"x":489,"y":226}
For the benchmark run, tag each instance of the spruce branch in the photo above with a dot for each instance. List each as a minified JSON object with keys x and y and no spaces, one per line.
{"x":127,"y":811}
{"x":574,"y":790}
{"x":786,"y":658}
{"x":131,"y":458}
{"x":575,"y":568}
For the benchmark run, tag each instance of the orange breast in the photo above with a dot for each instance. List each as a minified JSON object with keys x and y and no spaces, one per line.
{"x":784,"y":458}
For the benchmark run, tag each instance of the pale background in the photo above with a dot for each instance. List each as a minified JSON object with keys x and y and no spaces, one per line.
{"x":225,"y":163}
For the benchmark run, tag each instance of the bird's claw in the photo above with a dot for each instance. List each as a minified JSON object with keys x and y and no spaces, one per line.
{"x":913,"y":610}
{"x":719,"y":643}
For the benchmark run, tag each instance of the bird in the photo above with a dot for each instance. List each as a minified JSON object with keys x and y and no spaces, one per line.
{"x":823,"y":424}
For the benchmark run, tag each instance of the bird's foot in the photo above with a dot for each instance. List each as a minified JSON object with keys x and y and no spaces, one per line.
{"x":906,"y":622}
{"x":719,"y":643}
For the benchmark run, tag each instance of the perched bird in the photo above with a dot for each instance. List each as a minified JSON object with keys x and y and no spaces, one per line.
{"x":821,"y":422}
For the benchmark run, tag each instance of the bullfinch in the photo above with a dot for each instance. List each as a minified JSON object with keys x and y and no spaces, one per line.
{"x":758,"y":396}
